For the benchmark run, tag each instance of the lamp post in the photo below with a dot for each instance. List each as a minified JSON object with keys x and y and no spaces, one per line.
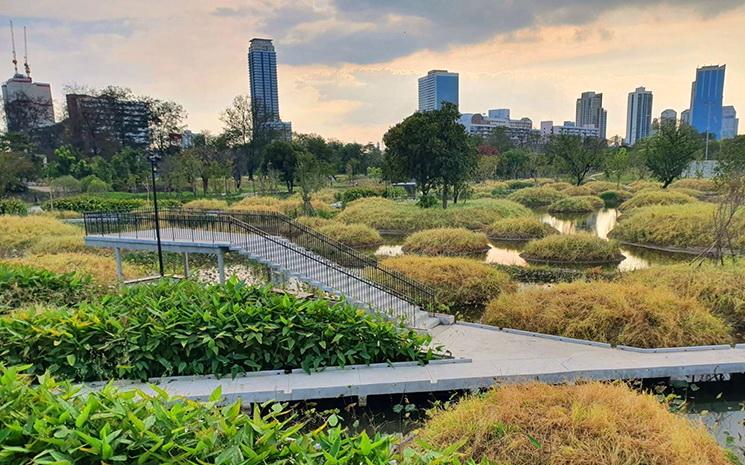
{"x":154,"y":158}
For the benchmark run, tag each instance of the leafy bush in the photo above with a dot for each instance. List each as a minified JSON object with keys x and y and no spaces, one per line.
{"x":617,"y":313}
{"x":589,"y":423}
{"x":519,"y":183}
{"x":584,"y":204}
{"x":37,"y":233}
{"x":13,"y":207}
{"x":614,"y":198}
{"x":128,"y":427}
{"x":186,"y":329}
{"x":206,"y":204}
{"x":354,"y":193}
{"x":65,"y":184}
{"x":387,"y":215}
{"x":596,"y":187}
{"x":647,"y":198}
{"x":100,"y":268}
{"x":687,"y":225}
{"x":87,"y":203}
{"x":577,"y":191}
{"x":353,"y":235}
{"x":446,"y":241}
{"x":93,"y":184}
{"x":574,"y":248}
{"x":536,"y":196}
{"x":427,"y":201}
{"x":462,"y":284}
{"x":702,"y":185}
{"x":22,"y":285}
{"x":520,"y":229}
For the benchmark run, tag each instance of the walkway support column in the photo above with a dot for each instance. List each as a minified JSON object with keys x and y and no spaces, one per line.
{"x":221,"y":265}
{"x":118,"y":260}
{"x":186,"y":264}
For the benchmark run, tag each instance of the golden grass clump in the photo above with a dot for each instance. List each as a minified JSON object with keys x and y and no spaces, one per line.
{"x":519,"y":229}
{"x":656,"y":197}
{"x":37,"y":233}
{"x":62,"y":214}
{"x":446,"y":241}
{"x":572,"y":248}
{"x":206,"y":204}
{"x":597,"y":187}
{"x":313,"y":221}
{"x":642,"y":184}
{"x":587,"y":423}
{"x":536,"y":196}
{"x":353,"y":235}
{"x":100,"y":267}
{"x":460,"y":283}
{"x":578,"y":191}
{"x":579,"y":204}
{"x":559,"y":185}
{"x":701,"y":185}
{"x":625,"y":313}
{"x":700,"y":195}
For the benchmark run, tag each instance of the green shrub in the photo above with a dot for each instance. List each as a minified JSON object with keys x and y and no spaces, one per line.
{"x":13,"y":207}
{"x":446,"y":241}
{"x":130,"y":427}
{"x":462,"y":284}
{"x":596,"y":187}
{"x":577,"y":191}
{"x":584,"y":204}
{"x":85,"y":203}
{"x":93,"y":184}
{"x":617,"y":313}
{"x":186,"y":329}
{"x":23,"y":285}
{"x":536,"y":196}
{"x":614,"y":198}
{"x":354,"y":193}
{"x":427,"y":201}
{"x":353,"y":234}
{"x":656,"y":197}
{"x":687,"y":225}
{"x":519,"y":183}
{"x":574,"y":248}
{"x":519,"y":229}
{"x":702,"y":185}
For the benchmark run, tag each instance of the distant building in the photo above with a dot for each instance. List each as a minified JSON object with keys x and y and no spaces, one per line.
{"x":518,"y":130}
{"x":638,"y":115}
{"x":590,"y":112}
{"x":106,"y":125}
{"x":500,"y":113}
{"x":262,"y":77}
{"x":669,"y":116}
{"x":729,"y":122}
{"x":27,"y":104}
{"x":706,"y":100}
{"x":685,"y":116}
{"x":548,"y":129}
{"x":436,"y":87}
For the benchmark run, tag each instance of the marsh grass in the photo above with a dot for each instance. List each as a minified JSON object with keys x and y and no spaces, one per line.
{"x":206,"y":204}
{"x":572,"y":248}
{"x":519,"y":229}
{"x":100,"y":267}
{"x":579,"y":204}
{"x":536,"y":196}
{"x":577,"y":191}
{"x":446,"y":241}
{"x":353,"y":234}
{"x":701,"y":185}
{"x":656,"y":197}
{"x":37,"y":234}
{"x":642,"y":184}
{"x":597,"y":187}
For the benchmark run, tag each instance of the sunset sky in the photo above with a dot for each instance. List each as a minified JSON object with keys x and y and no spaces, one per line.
{"x":348,"y":69}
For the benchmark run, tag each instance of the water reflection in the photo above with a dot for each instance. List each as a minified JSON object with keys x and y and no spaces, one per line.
{"x":599,"y":222}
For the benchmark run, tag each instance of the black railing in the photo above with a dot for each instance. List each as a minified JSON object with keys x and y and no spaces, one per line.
{"x":282,"y":240}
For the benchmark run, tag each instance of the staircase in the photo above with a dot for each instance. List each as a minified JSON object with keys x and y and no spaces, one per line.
{"x":290,"y":249}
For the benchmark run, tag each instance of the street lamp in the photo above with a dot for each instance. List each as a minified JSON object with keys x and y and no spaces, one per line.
{"x":154,"y":158}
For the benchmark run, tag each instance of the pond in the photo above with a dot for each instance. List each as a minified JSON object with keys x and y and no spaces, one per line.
{"x":600,"y":223}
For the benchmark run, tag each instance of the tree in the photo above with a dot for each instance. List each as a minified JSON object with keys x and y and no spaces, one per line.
{"x":282,"y":156}
{"x":165,"y":120}
{"x":15,"y":170}
{"x":617,"y":163}
{"x":131,"y":168}
{"x":514,"y":163}
{"x":310,"y":176}
{"x":432,"y":148}
{"x":670,"y":151}
{"x":575,"y":155}
{"x":500,"y":139}
{"x":238,"y":127}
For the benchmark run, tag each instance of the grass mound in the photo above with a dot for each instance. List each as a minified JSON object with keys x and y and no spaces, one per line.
{"x":460,"y":283}
{"x":642,"y":184}
{"x":206,"y":204}
{"x":559,"y":185}
{"x":617,"y":313}
{"x":185,"y":328}
{"x":313,"y":221}
{"x":647,"y":198}
{"x":353,"y":235}
{"x":582,"y":204}
{"x":699,"y":195}
{"x":100,"y":268}
{"x":614,"y":198}
{"x":37,"y":234}
{"x":702,"y":185}
{"x":519,"y":229}
{"x":388,"y":215}
{"x":292,"y":206}
{"x":577,"y":191}
{"x":536,"y":196}
{"x":687,"y":225}
{"x":589,"y":424}
{"x":574,"y":248}
{"x":446,"y":241}
{"x":519,"y":183}
{"x":597,"y":187}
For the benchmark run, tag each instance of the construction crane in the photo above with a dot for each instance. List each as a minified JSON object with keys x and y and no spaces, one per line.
{"x":13,"y":42}
{"x":25,"y":54}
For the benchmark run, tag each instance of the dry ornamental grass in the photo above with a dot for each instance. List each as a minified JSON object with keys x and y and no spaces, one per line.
{"x":353,"y":235}
{"x":519,"y":229}
{"x":37,"y":234}
{"x":656,"y":197}
{"x":206,"y":204}
{"x":574,"y":248}
{"x":446,"y":241}
{"x":536,"y":196}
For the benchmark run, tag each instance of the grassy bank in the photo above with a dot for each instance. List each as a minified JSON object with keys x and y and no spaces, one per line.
{"x":574,"y":248}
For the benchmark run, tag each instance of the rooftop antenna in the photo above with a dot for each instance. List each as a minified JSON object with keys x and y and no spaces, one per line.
{"x":25,"y":53}
{"x":13,"y":42}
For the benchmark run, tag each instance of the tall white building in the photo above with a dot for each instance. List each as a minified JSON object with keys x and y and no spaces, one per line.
{"x":638,"y":115}
{"x":436,"y":87}
{"x":548,"y":129}
{"x":729,"y":122}
{"x":27,"y":104}
{"x":590,"y":112}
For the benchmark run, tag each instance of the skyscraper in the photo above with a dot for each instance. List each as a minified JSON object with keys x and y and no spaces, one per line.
{"x":706,"y":100}
{"x":262,"y":76}
{"x":638,"y":115}
{"x":685,"y":116}
{"x":590,"y":111}
{"x":669,"y":116}
{"x":27,"y":104}
{"x":436,"y":87}
{"x":729,"y":122}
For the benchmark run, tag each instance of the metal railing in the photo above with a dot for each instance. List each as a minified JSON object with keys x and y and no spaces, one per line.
{"x":283,"y":241}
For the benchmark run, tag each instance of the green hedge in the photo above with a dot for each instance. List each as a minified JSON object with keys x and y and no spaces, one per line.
{"x":183,"y":328}
{"x":87,"y":203}
{"x":23,"y":285}
{"x":13,"y":207}
{"x":354,"y":193}
{"x":53,"y":423}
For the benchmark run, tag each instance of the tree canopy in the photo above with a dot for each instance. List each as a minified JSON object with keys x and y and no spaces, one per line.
{"x":670,"y":151}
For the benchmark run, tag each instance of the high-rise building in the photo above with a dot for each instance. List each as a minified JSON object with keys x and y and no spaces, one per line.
{"x":548,"y":129}
{"x":669,"y":116}
{"x":638,"y":115}
{"x":499,"y":113}
{"x":518,"y":130}
{"x":262,"y":77}
{"x":685,"y":116}
{"x":706,"y":100}
{"x":590,"y":111}
{"x":436,"y":87}
{"x":729,"y":122}
{"x":27,"y":104}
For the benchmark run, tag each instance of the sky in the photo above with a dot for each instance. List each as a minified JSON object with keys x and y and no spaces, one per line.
{"x":348,"y":69}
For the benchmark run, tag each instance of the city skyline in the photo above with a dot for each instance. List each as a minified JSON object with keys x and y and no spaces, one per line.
{"x":532,"y":62}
